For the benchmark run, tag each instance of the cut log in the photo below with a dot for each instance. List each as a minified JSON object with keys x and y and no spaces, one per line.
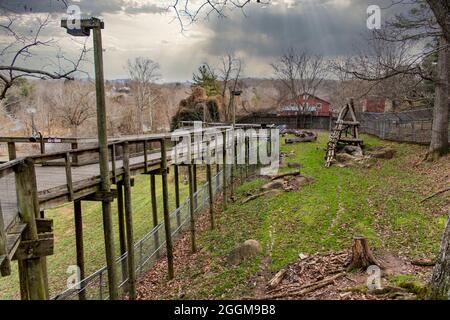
{"x":253,"y":197}
{"x":362,"y":256}
{"x":300,"y":139}
{"x":275,"y":281}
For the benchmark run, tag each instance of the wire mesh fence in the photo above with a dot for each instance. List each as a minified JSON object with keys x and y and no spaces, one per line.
{"x":407,"y":126}
{"x":147,"y":250}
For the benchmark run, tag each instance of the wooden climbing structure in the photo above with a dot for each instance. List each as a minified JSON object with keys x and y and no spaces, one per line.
{"x":346,"y":131}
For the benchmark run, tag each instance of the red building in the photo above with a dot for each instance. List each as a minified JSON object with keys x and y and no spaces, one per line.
{"x":307,"y":104}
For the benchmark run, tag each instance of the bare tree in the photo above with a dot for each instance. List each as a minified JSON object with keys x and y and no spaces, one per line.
{"x":143,"y":73}
{"x":302,"y":74}
{"x":229,"y":73}
{"x":406,"y":31}
{"x":75,"y":104}
{"x":21,"y":51}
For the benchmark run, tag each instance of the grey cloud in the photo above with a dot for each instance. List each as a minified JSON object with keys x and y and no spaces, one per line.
{"x":88,"y":7}
{"x":321,"y":27}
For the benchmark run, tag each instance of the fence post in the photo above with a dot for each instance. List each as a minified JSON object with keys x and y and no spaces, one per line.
{"x":31,"y":273}
{"x":191,"y":207}
{"x":129,"y":224}
{"x":79,"y":245}
{"x":167,"y":228}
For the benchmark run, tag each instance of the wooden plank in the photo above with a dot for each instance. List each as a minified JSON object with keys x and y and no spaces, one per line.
{"x":32,"y":249}
{"x":102,"y":196}
{"x":5,"y":267}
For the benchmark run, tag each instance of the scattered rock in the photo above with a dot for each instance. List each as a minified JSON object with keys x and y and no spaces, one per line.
{"x":248,"y":249}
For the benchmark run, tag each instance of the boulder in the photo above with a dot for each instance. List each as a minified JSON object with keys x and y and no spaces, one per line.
{"x":250,"y":248}
{"x":344,"y":157}
{"x":355,"y":151}
{"x":381,"y":152}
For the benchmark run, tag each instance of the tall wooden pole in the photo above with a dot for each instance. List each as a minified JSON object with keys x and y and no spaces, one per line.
{"x":129,"y":224}
{"x":79,"y":244}
{"x":103,"y":161}
{"x":167,"y":228}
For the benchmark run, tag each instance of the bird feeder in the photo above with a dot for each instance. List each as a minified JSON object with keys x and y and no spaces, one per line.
{"x":85,"y":26}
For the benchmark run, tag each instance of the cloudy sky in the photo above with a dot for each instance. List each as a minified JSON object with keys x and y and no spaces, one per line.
{"x":258,"y":34}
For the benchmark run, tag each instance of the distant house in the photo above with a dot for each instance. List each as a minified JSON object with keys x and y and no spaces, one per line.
{"x":377,"y":104}
{"x":308,"y":104}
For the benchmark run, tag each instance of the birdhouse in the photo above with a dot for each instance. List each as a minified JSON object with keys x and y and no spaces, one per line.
{"x":82,"y":27}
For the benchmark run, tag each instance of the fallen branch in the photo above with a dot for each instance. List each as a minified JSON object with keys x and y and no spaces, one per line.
{"x":253,"y":197}
{"x":435,"y":194}
{"x":423,"y":263}
{"x":282,"y":175}
{"x":302,"y":290}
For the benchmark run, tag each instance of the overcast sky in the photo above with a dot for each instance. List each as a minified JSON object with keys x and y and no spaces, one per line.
{"x":258,"y":35}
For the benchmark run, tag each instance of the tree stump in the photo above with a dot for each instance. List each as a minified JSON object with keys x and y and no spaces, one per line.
{"x":362,"y":256}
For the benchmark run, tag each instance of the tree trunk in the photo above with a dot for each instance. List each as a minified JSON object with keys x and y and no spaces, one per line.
{"x":362,"y":256}
{"x":441,"y":10}
{"x":439,"y":136}
{"x":440,"y":282}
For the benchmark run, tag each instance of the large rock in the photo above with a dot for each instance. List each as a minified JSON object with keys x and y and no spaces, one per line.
{"x":275,"y":184}
{"x":344,"y":157}
{"x":355,"y":151}
{"x":248,"y":249}
{"x":381,"y":152}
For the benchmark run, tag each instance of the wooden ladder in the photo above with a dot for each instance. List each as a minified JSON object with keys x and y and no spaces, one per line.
{"x":332,"y":143}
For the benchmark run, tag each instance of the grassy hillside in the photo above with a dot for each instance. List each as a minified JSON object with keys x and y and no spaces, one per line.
{"x":381,"y":202}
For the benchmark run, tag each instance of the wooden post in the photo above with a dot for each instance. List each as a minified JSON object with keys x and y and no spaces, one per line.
{"x":194,"y":180}
{"x":129,"y":224}
{"x":122,"y":231}
{"x":224,"y":166}
{"x":191,"y":207}
{"x":104,"y":164}
{"x":79,"y":244}
{"x":247,"y":155}
{"x":154,"y":210}
{"x":31,"y":273}
{"x":232,"y":166}
{"x":11,"y":151}
{"x":42,"y":143}
{"x":211,"y":195}
{"x":5,"y":268}
{"x":167,"y":228}
{"x":177,"y":192}
{"x":74,"y":146}
{"x":68,"y":168}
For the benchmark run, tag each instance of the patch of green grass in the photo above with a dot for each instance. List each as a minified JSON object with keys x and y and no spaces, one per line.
{"x":381,"y":202}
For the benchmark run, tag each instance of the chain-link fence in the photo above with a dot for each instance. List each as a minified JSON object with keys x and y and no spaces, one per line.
{"x":147,"y":250}
{"x":407,"y":126}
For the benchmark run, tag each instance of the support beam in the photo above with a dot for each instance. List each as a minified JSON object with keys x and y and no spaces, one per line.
{"x":154,"y":211}
{"x":191,"y":208}
{"x":12,"y":151}
{"x":122,"y":230}
{"x":168,"y":230}
{"x":79,"y":244}
{"x":129,"y":224}
{"x":177,"y":193}
{"x":31,"y":273}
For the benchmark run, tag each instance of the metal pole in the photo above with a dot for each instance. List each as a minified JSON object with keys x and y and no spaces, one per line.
{"x":192,"y":207}
{"x":104,"y":165}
